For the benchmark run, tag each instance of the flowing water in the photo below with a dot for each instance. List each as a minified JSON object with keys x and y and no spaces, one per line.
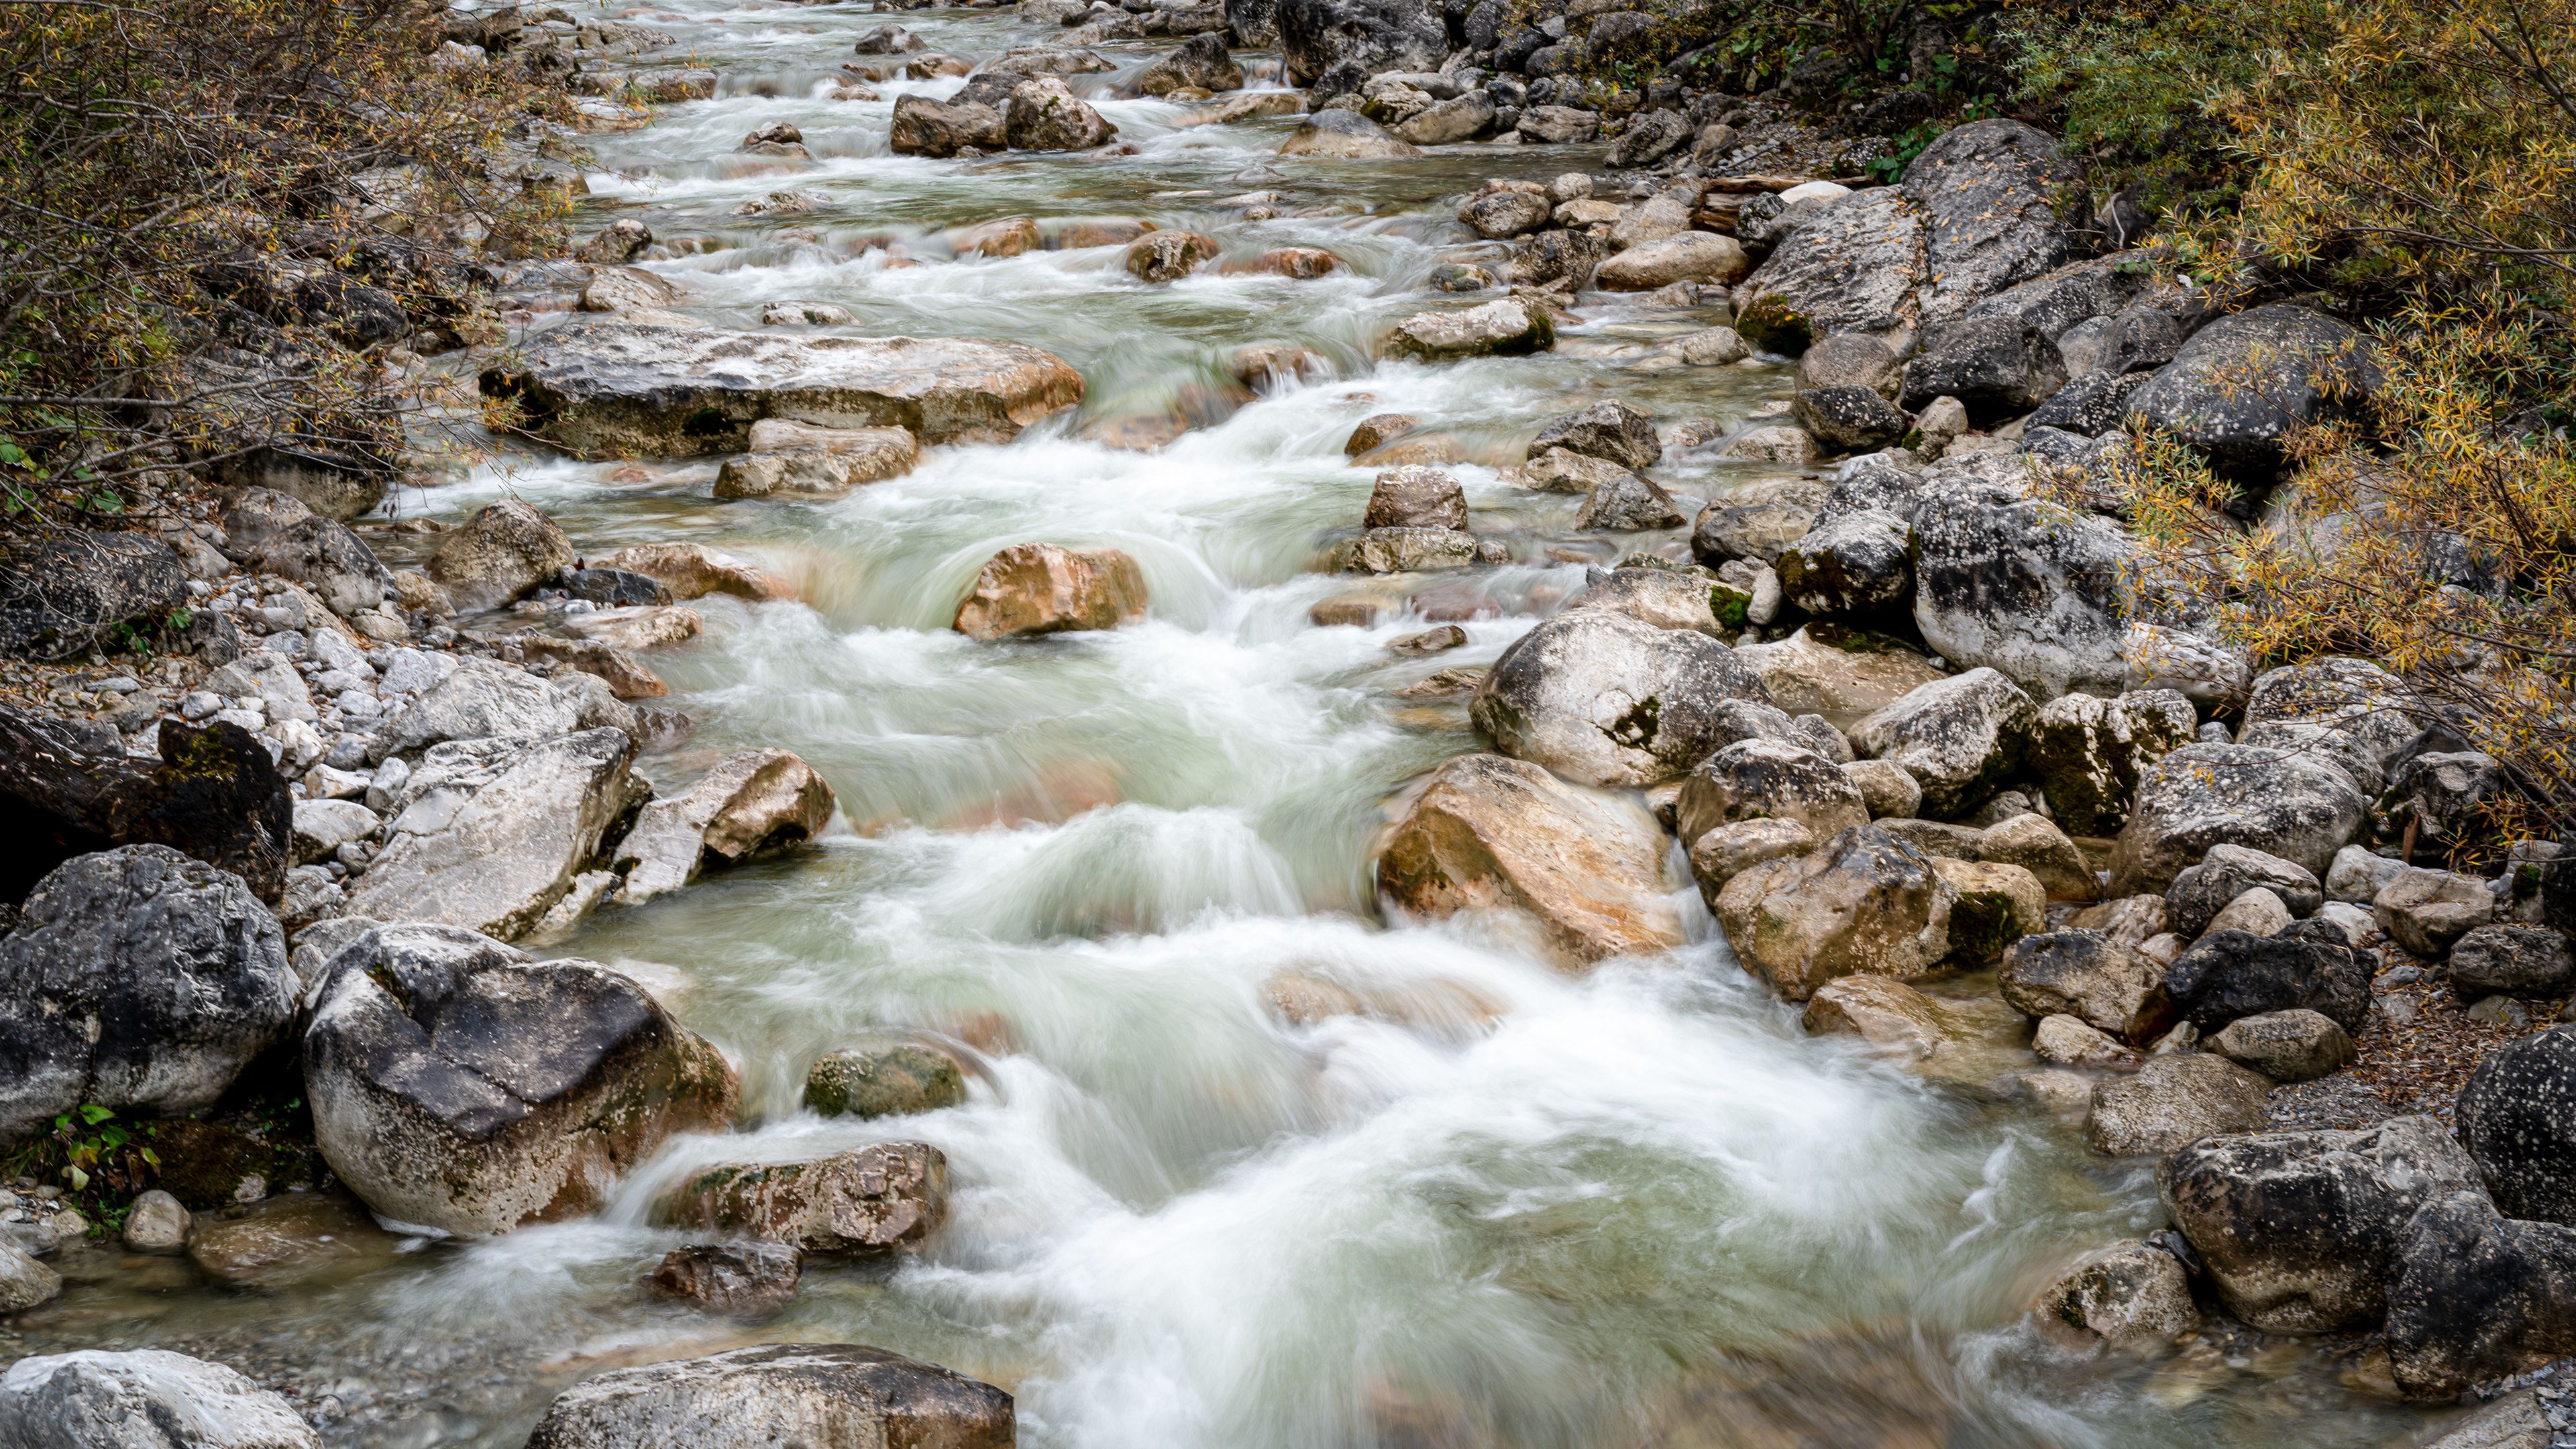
{"x":1499,"y":1205}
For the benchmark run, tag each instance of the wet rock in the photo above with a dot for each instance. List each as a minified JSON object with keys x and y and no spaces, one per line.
{"x":628,"y":289}
{"x":2231,"y":974}
{"x":1959,"y":737}
{"x":214,"y":794}
{"x":1665,"y":598}
{"x":1604,"y":699}
{"x":612,"y":588}
{"x":2297,"y":1045}
{"x":1862,"y":902}
{"x":1416,"y":497}
{"x":1495,"y":834}
{"x":1039,"y":588}
{"x":2034,"y":843}
{"x":1995,"y":906}
{"x":614,"y":244}
{"x":2002,"y":203}
{"x":2176,"y":1099}
{"x":2530,"y":962}
{"x":1403,"y":550}
{"x":1202,"y":61}
{"x":1848,"y":418}
{"x":1559,"y":125}
{"x":1691,"y":256}
{"x":1851,"y":359}
{"x":871,"y":1200}
{"x":2200,"y":892}
{"x":24,"y":1283}
{"x":1340,"y":135}
{"x":1996,"y":367}
{"x":2477,"y":1297}
{"x":1556,"y":256}
{"x":156,"y":1223}
{"x":753,"y":1398}
{"x":1757,"y":520}
{"x":1715,"y":347}
{"x":2132,"y":1296}
{"x":751,"y":1280}
{"x":1045,"y":115}
{"x":1776,"y":443}
{"x":1301,"y":264}
{"x":2088,"y":752}
{"x":789,"y":457}
{"x":895,"y":1082}
{"x":2515,"y":1421}
{"x":295,"y":1239}
{"x":1168,"y":256}
{"x":753,"y":803}
{"x":1628,"y":504}
{"x":1610,"y":429}
{"x":1507,"y":328}
{"x":1723,"y":852}
{"x":622,"y":388}
{"x":2517,"y":1117}
{"x":92,"y":1399}
{"x":1885,"y":787}
{"x":1767,"y":779}
{"x":2087,"y":975}
{"x":2299,"y":1231}
{"x":924,"y":127}
{"x":1853,"y":563}
{"x":693,"y":571}
{"x":1831,"y":670}
{"x":1854,"y":267}
{"x":136,"y":978}
{"x":458,"y":1085}
{"x":76,"y":593}
{"x":2021,"y":585}
{"x":2239,"y":387}
{"x":488,"y":834}
{"x":2284,"y":803}
{"x":1375,"y":429}
{"x":2426,"y":910}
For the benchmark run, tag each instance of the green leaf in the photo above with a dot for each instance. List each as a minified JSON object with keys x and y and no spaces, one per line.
{"x":93,"y":1114}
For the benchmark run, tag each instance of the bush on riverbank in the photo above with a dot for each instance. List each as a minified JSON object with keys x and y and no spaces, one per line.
{"x":215,"y":214}
{"x":2415,"y":172}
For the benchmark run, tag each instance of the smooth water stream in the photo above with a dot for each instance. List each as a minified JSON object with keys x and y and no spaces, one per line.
{"x":1500,"y":1206}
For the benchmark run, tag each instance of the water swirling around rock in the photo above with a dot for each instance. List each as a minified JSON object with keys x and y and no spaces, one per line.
{"x":1494,"y":1204}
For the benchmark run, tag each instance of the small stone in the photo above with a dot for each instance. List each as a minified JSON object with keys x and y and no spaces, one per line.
{"x":1886,"y":788}
{"x":2297,"y":1045}
{"x":897,"y":1081}
{"x":2133,"y":1296}
{"x":156,"y":1224}
{"x":753,"y":1280}
{"x":2257,"y":912}
{"x":2068,"y":1041}
{"x":2175,"y":1100}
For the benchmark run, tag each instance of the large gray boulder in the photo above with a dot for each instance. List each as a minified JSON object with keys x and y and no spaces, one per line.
{"x":502,"y":552}
{"x":66,"y":596}
{"x":2350,"y":710}
{"x":2242,"y":384}
{"x":2300,"y":1230}
{"x":147,"y":1398}
{"x":1960,"y":737}
{"x":2085,"y":974}
{"x":2176,"y":1099}
{"x":2001,"y":202}
{"x":1997,"y":367}
{"x":482,"y":699}
{"x":2517,"y":1116}
{"x":2199,"y":893}
{"x":2477,"y":1297}
{"x":622,"y":388}
{"x":2292,"y":804}
{"x":136,"y":978}
{"x":1604,"y":699}
{"x":1376,"y":36}
{"x":2022,"y":585}
{"x":1850,"y":563}
{"x":458,"y":1085}
{"x":488,"y":834}
{"x":1855,"y":267}
{"x":817,"y":1394}
{"x":2228,"y":975}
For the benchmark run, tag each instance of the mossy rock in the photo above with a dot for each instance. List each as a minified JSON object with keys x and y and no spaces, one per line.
{"x":1729,"y":604}
{"x":203,"y":1163}
{"x":892,"y":1082}
{"x":1855,"y":641}
{"x":1774,"y":326}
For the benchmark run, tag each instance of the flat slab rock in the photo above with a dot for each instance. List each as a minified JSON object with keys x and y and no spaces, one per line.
{"x":798,"y":1393}
{"x":627,"y":388}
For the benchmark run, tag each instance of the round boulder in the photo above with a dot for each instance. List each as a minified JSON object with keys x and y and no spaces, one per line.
{"x":1605,"y":699}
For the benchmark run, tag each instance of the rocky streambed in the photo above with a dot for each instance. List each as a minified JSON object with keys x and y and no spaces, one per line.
{"x":1083,"y":727}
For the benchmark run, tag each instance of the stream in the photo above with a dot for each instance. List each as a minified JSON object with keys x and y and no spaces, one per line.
{"x":1497,"y":1205}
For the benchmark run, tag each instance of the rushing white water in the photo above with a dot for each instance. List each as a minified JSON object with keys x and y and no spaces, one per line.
{"x":1501,"y":1205}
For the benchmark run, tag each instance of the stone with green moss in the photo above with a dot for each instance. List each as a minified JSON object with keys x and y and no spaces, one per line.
{"x":892,"y":1082}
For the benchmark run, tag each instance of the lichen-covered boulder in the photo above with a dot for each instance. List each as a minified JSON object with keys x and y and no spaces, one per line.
{"x":2242,"y":384}
{"x":2088,"y":975}
{"x":1609,"y":429}
{"x":1850,"y":563}
{"x":2297,"y":1045}
{"x":142,"y":1399}
{"x":2134,"y":1296}
{"x":1767,"y":779}
{"x":2022,"y":585}
{"x":2001,"y":203}
{"x":2088,"y":752}
{"x":868,"y":1200}
{"x":2231,"y":974}
{"x":2200,"y":892}
{"x":2175,"y":1100}
{"x":2300,"y":1230}
{"x":2477,"y":1296}
{"x":2291,"y":804}
{"x":1491,"y":834}
{"x":2350,"y":710}
{"x":1960,"y":737}
{"x":814,"y":1394}
{"x":1605,"y":699}
{"x":2517,"y":1117}
{"x":460,"y":1086}
{"x":136,"y":978}
{"x":1856,"y":266}
{"x":1376,"y":36}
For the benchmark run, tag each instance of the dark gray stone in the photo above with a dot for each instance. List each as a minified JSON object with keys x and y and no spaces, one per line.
{"x":2517,"y":1117}
{"x":1379,"y":35}
{"x":2003,"y":205}
{"x":1997,"y":367}
{"x":1608,"y":429}
{"x":1850,"y":418}
{"x":2244,"y":383}
{"x":2531,"y":962}
{"x":2229,"y":871}
{"x":2478,"y":1296}
{"x":1853,"y":563}
{"x":83,"y":592}
{"x":2231,"y":974}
